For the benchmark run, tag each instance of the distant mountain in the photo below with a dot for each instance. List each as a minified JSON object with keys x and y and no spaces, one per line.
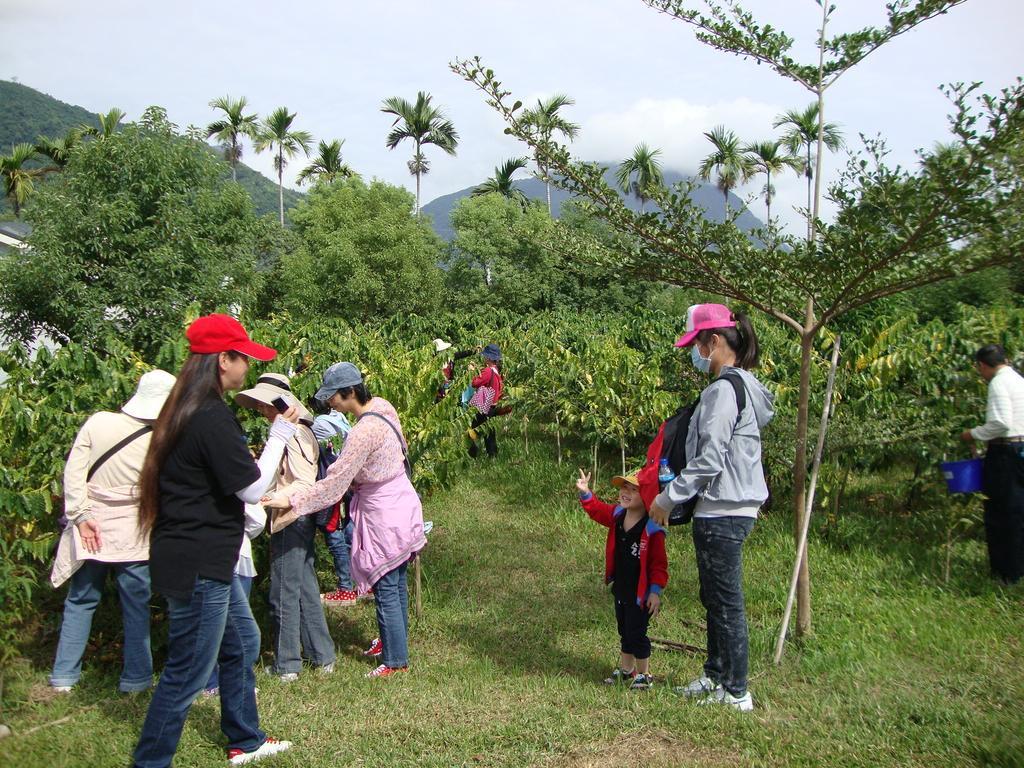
{"x":27,"y":114}
{"x":707,"y":196}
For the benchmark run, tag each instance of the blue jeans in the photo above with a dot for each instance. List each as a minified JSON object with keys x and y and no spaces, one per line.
{"x":339,"y":544}
{"x":246,"y":583}
{"x":392,"y":598}
{"x":214,"y":626}
{"x":718,"y":542}
{"x":84,"y":593}
{"x":295,"y":609}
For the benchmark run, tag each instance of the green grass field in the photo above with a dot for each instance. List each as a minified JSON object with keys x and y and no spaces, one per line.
{"x":517,"y":632}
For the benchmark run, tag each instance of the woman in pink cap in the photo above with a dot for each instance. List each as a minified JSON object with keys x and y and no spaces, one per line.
{"x":197,"y":475}
{"x":723,"y":471}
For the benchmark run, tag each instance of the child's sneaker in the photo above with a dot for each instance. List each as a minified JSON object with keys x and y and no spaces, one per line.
{"x":376,"y":648}
{"x":744,"y":703}
{"x":697,"y":689}
{"x":620,"y":676}
{"x":339,"y":598}
{"x":269,"y":747}
{"x":641,"y":683}
{"x":385,"y":671}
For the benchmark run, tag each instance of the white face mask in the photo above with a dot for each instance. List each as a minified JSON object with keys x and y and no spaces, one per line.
{"x":701,"y":363}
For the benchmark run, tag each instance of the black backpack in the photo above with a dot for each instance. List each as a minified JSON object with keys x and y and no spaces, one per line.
{"x":673,"y":434}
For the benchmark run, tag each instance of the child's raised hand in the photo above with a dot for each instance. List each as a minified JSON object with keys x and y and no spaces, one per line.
{"x":583,"y":482}
{"x":653,"y":604}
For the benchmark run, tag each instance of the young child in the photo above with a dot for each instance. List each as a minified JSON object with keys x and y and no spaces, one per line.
{"x":637,"y":566}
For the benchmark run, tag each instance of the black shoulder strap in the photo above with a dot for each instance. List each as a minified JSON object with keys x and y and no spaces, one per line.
{"x":741,"y":392}
{"x":401,"y":440}
{"x":114,"y":449}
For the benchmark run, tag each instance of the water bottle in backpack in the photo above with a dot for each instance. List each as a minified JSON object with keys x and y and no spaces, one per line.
{"x":665,"y":474}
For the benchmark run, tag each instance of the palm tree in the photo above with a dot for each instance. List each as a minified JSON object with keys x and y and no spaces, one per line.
{"x":107,"y":127}
{"x":327,"y":165}
{"x":17,"y":178}
{"x":727,"y":159}
{"x":58,"y":150}
{"x":802,"y":133}
{"x":230,"y":129}
{"x":501,"y":182}
{"x":767,"y":157}
{"x":424,"y":124}
{"x":644,"y":165}
{"x":546,"y":121}
{"x":276,"y":132}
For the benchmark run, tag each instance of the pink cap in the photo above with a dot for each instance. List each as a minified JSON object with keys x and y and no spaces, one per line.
{"x":701,"y":317}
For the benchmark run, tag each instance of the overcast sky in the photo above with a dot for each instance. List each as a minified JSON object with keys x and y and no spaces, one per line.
{"x":636,"y":75}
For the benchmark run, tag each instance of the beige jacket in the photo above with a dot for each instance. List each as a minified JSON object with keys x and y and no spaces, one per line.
{"x":296,"y":473}
{"x":110,"y":498}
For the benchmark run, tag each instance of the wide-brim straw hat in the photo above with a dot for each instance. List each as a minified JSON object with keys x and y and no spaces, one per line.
{"x":268,"y":387}
{"x":149,"y":397}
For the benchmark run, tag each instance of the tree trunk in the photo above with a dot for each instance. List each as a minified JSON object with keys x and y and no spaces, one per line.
{"x":803,"y":585}
{"x":280,"y":185}
{"x":558,"y":437}
{"x":622,"y":448}
{"x":768,"y":195}
{"x":547,"y":186}
{"x":417,"y":195}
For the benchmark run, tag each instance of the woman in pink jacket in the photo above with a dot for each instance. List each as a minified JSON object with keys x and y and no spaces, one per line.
{"x":385,"y":509}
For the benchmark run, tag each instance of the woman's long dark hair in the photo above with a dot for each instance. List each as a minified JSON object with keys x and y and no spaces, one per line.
{"x":742,"y":340}
{"x":198,"y":382}
{"x":361,"y":391}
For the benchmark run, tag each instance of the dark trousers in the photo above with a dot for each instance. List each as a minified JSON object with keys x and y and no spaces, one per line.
{"x":718,"y":543}
{"x":490,"y":438}
{"x":1004,"y":510}
{"x":632,"y":620}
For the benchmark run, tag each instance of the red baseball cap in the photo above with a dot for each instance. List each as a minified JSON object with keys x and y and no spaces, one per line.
{"x":701,"y":317}
{"x":222,"y":333}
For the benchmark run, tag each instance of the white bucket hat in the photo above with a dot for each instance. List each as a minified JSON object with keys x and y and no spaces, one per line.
{"x":440,"y":345}
{"x":268,"y":387}
{"x":149,"y":397}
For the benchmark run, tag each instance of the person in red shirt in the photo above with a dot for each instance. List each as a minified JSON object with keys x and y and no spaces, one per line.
{"x":637,"y":567}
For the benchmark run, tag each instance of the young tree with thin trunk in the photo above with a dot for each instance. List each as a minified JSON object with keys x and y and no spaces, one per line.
{"x":230,"y":129}
{"x":639,"y":172}
{"x":275,"y":133}
{"x":424,"y":124}
{"x":895,"y":229}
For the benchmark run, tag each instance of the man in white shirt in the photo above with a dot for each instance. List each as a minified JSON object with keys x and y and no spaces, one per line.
{"x":1003,"y":432}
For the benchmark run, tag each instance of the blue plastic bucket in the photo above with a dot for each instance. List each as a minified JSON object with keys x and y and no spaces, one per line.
{"x":962,"y":476}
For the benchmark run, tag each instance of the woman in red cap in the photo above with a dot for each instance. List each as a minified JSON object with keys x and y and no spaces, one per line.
{"x":197,"y":476}
{"x":723,"y":471}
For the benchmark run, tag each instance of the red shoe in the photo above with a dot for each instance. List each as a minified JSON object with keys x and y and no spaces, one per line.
{"x":385,"y":671}
{"x":339,"y":597}
{"x":376,"y":648}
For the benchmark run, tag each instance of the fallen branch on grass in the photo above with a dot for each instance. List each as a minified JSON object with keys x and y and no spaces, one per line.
{"x":672,"y":645}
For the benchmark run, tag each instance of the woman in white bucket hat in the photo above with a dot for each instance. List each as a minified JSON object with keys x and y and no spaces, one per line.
{"x":102,"y":534}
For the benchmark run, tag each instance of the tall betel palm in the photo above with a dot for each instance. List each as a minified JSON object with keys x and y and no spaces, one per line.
{"x":327,"y":166}
{"x":230,"y":129}
{"x":17,"y":177}
{"x":59,"y":150}
{"x":802,"y":134}
{"x":546,"y":121}
{"x":727,"y":159}
{"x":767,"y":157}
{"x":502,"y":183}
{"x":424,"y":124}
{"x":639,"y":172}
{"x":275,"y":133}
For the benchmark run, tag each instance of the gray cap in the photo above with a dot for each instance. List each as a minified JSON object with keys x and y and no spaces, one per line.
{"x":338,"y":376}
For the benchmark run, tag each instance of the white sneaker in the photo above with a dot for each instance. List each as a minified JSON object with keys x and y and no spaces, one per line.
{"x":267,"y":748}
{"x":744,"y":703}
{"x":699,"y":688}
{"x":326,"y":669}
{"x":288,"y":677}
{"x":61,"y":688}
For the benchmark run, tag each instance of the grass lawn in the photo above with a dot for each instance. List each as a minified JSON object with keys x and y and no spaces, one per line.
{"x":517,"y":632}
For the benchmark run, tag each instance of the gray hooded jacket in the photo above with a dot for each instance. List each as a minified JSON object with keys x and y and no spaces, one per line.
{"x":724,"y":470}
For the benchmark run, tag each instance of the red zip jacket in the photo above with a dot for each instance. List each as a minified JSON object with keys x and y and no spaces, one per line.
{"x":653,"y":560}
